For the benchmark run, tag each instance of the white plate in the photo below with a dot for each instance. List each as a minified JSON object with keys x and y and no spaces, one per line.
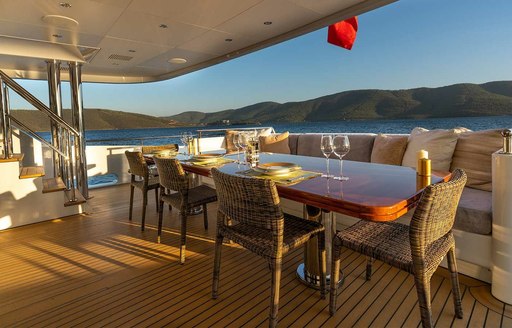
{"x":276,"y":168}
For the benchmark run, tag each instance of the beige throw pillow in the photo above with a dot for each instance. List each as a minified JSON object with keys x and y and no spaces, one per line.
{"x":275,"y":143}
{"x":440,"y":145}
{"x":474,"y":154}
{"x":389,"y":149}
{"x":230,"y":145}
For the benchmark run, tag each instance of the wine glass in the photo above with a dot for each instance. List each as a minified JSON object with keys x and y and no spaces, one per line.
{"x":326,"y":148}
{"x":340,"y":147}
{"x":243,"y":140}
{"x":184,"y":140}
{"x":236,"y":143}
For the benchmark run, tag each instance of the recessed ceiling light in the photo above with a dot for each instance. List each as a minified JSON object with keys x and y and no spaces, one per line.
{"x":131,"y":50}
{"x":177,"y":60}
{"x":267,"y":23}
{"x":58,"y":36}
{"x":60,"y":21}
{"x":228,"y":40}
{"x":163,"y":26}
{"x":65,"y":5}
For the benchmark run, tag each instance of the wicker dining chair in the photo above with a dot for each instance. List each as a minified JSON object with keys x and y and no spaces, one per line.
{"x":250,"y":214}
{"x":418,"y":248}
{"x":173,"y":178}
{"x":154,"y":149}
{"x":141,"y":179}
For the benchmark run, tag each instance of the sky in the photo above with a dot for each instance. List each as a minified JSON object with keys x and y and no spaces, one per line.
{"x":407,"y":44}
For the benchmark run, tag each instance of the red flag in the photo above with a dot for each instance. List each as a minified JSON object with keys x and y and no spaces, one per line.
{"x":343,"y":33}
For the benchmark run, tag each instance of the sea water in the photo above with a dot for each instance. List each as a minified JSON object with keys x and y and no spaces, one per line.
{"x":159,"y":136}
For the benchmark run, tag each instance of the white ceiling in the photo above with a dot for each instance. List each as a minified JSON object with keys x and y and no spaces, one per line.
{"x":128,"y":44}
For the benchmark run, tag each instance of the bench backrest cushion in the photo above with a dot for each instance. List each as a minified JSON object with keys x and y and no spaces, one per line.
{"x":360,"y":146}
{"x":440,"y":145}
{"x":473,"y":153}
{"x":389,"y":149}
{"x":275,"y":143}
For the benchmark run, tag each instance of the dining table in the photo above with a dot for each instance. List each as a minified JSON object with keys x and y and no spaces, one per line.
{"x":375,"y":192}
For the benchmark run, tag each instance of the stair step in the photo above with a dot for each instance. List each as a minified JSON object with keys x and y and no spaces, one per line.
{"x":79,"y":198}
{"x":53,"y":184}
{"x":13,"y":158}
{"x":27,"y":172}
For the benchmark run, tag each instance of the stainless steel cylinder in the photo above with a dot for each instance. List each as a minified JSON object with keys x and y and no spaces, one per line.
{"x":507,"y":141}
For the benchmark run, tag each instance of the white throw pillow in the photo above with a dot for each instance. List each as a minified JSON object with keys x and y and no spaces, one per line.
{"x":440,"y":145}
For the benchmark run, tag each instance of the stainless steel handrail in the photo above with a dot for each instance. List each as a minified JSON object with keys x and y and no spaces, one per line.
{"x":25,"y":129}
{"x":22,"y":92}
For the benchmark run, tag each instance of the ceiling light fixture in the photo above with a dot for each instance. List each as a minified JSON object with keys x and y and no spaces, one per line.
{"x":163,"y":26}
{"x":60,"y":21}
{"x":228,"y":40}
{"x":267,"y":23}
{"x":65,"y":5}
{"x":177,"y":60}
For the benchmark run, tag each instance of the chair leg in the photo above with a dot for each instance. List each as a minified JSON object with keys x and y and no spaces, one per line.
{"x":216,"y":266}
{"x":369,"y":262}
{"x":322,"y":263}
{"x":423,"y":291}
{"x":160,"y":219}
{"x":144,"y":206}
{"x":335,"y":276}
{"x":274,"y":291}
{"x":156,"y":199}
{"x":132,"y":188}
{"x":183,"y":215}
{"x":205,"y":216}
{"x":452,"y":266}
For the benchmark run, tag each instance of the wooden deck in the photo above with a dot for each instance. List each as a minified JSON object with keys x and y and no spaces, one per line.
{"x":99,"y":269}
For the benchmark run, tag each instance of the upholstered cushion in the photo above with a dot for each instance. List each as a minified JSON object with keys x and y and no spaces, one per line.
{"x":230,"y":145}
{"x":474,"y":213}
{"x":293,"y":140}
{"x":361,"y":146}
{"x":309,"y":145}
{"x":440,"y":145}
{"x":389,"y":149}
{"x":275,"y":143}
{"x":473,"y":153}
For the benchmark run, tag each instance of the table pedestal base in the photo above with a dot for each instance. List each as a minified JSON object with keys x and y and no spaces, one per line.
{"x":313,"y":281}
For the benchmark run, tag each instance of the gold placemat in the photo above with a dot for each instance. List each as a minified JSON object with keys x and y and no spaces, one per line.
{"x":218,"y":162}
{"x":288,"y":179}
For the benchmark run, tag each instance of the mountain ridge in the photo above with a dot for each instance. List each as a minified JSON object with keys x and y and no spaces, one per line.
{"x":457,"y":100}
{"x":462,"y":99}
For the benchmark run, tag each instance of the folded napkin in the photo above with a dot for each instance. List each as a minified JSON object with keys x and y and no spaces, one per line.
{"x":293,"y":177}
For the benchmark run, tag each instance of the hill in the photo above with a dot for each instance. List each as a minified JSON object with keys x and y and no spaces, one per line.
{"x":458,"y":100}
{"x":95,"y":119}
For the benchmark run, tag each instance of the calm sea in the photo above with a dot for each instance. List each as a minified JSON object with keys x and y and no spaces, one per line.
{"x":171,"y":135}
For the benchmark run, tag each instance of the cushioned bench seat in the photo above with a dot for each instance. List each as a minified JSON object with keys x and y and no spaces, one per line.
{"x":474,"y":213}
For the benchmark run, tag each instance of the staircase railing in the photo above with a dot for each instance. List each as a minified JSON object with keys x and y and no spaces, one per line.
{"x":68,"y":148}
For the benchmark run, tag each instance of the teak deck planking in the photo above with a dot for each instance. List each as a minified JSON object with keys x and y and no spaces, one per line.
{"x":99,"y":269}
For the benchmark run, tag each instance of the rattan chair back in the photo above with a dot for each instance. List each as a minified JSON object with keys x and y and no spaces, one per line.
{"x":152,"y":149}
{"x":171,"y":174}
{"x":249,"y":200}
{"x":137,"y":163}
{"x":435,"y":214}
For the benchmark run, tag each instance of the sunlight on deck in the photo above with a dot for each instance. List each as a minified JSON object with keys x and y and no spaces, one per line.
{"x":99,"y":269}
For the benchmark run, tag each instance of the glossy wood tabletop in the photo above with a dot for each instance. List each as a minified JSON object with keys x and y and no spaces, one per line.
{"x":373,"y":191}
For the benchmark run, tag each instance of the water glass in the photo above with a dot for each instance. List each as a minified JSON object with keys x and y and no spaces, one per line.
{"x":340,"y":147}
{"x":326,"y":148}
